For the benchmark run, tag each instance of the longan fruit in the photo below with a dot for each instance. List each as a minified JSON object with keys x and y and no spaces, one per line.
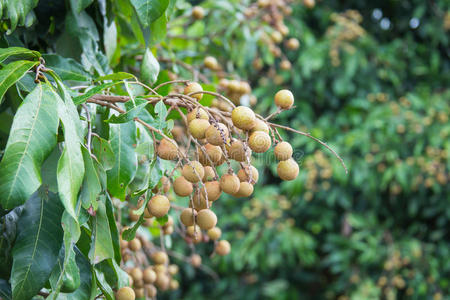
{"x":229,"y":183}
{"x":309,"y":3}
{"x":167,"y":150}
{"x":200,"y":202}
{"x":243,"y":118}
{"x":193,"y":172}
{"x":263,"y":3}
{"x":162,"y":281}
{"x":259,"y":141}
{"x":125,"y":293}
{"x":237,"y":151}
{"x":284,"y":99}
{"x":209,"y":174}
{"x":213,"y":134}
{"x":182,"y":187}
{"x":244,"y":174}
{"x":136,"y":274}
{"x":147,"y":213}
{"x":151,"y":290}
{"x":123,"y":243}
{"x":213,"y":190}
{"x":198,"y":12}
{"x":195,"y":260}
{"x":197,"y":113}
{"x":211,"y":63}
{"x":245,"y":189}
{"x":197,"y":128}
{"x":133,"y":217}
{"x":260,"y":125}
{"x":206,"y":219}
{"x":138,"y":284}
{"x":187,"y":216}
{"x":276,"y":36}
{"x":223,"y":247}
{"x":135,"y":244}
{"x":165,"y":185}
{"x":285,"y":65}
{"x":283,"y":29}
{"x":194,"y":87}
{"x":191,"y":230}
{"x":214,"y":233}
{"x":158,"y":206}
{"x":173,"y":269}
{"x":177,"y":132}
{"x":283,"y":151}
{"x":292,"y":44}
{"x":159,"y":269}
{"x":160,"y":258}
{"x":288,"y":169}
{"x":149,"y":275}
{"x":168,"y":230}
{"x":174,"y":284}
{"x":233,"y":85}
{"x":214,"y":153}
{"x":140,"y":292}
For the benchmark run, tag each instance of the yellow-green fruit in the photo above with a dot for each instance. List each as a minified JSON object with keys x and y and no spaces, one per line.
{"x":260,"y":125}
{"x":140,"y":292}
{"x":288,"y":169}
{"x":243,"y":117}
{"x":159,"y":206}
{"x":198,"y":12}
{"x":168,"y":230}
{"x":283,"y":151}
{"x":197,"y":113}
{"x":197,"y":128}
{"x":285,"y":65}
{"x":276,"y":36}
{"x":214,"y":153}
{"x":244,"y":174}
{"x":214,"y":233}
{"x":174,"y":284}
{"x":151,"y":290}
{"x":229,"y":183}
{"x":194,"y":87}
{"x":193,"y":171}
{"x":167,"y":150}
{"x":259,"y":141}
{"x":149,"y":275}
{"x":192,"y":230}
{"x":160,"y":258}
{"x":135,"y":244}
{"x":206,"y":219}
{"x":244,"y":87}
{"x":136,"y":274}
{"x":216,"y":134}
{"x":292,"y":44}
{"x":173,"y":269}
{"x":159,"y":269}
{"x":237,"y":151}
{"x":162,"y":281}
{"x":199,"y":202}
{"x":196,"y":260}
{"x":284,"y":99}
{"x":223,"y":247}
{"x":213,"y":190}
{"x":309,"y":3}
{"x":125,"y":293}
{"x":187,"y":216}
{"x":209,"y":174}
{"x":182,"y":187}
{"x":211,"y":63}
{"x":245,"y":190}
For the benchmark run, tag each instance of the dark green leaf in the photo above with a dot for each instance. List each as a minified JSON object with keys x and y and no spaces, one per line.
{"x":130,"y":233}
{"x":13,"y":72}
{"x":17,"y":11}
{"x":101,"y":246}
{"x":91,"y":186}
{"x":103,"y":151}
{"x":66,"y":68}
{"x":104,"y":285}
{"x":113,"y":227}
{"x":149,"y":11}
{"x":78,"y":5}
{"x":23,"y":53}
{"x":5,"y":290}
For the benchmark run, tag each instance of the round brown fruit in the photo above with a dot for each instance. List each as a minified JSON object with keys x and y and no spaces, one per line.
{"x":237,"y":151}
{"x":309,"y":3}
{"x":276,"y":36}
{"x":211,"y":63}
{"x":214,"y":233}
{"x":284,"y":99}
{"x":151,"y":290}
{"x":209,"y":174}
{"x":283,"y":151}
{"x":199,"y":202}
{"x":285,"y":65}
{"x":192,"y":230}
{"x":140,"y":292}
{"x":187,"y":216}
{"x":245,"y":190}
{"x":292,"y":44}
{"x":288,"y":169}
{"x":216,"y":134}
{"x":149,"y":275}
{"x":259,"y":141}
{"x":194,"y":87}
{"x":193,"y":172}
{"x":195,"y":260}
{"x":160,"y":258}
{"x":162,"y":281}
{"x":173,"y":269}
{"x":174,"y":284}
{"x":197,"y":128}
{"x":135,"y":244}
{"x":213,"y":190}
{"x":159,"y":205}
{"x":243,"y":117}
{"x":125,"y":293}
{"x":198,"y":12}
{"x":229,"y":183}
{"x":244,"y":174}
{"x":214,"y":153}
{"x":168,"y":230}
{"x":167,"y":150}
{"x":206,"y":219}
{"x":136,"y":274}
{"x":182,"y":187}
{"x":223,"y":247}
{"x":197,"y":113}
{"x":260,"y":125}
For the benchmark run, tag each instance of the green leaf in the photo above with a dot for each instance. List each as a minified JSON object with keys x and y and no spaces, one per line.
{"x":104,"y":285}
{"x":66,"y":68}
{"x":17,"y":11}
{"x":95,"y":90}
{"x":128,"y":116}
{"x":113,"y":227}
{"x":149,"y":11}
{"x":110,"y":38}
{"x":162,"y":220}
{"x":13,"y":72}
{"x":91,"y":186}
{"x":23,"y":53}
{"x":122,"y":137}
{"x":158,"y":30}
{"x":32,"y":138}
{"x":8,"y":234}
{"x":149,"y":68}
{"x":103,"y":151}
{"x":5,"y":290}
{"x":78,"y":5}
{"x":116,"y":76}
{"x":64,"y":276}
{"x":101,"y":246}
{"x":130,"y":233}
{"x":37,"y":246}
{"x":161,"y":111}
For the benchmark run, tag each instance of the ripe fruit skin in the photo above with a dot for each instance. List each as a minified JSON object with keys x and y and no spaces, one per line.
{"x":283,"y":151}
{"x":196,"y":260}
{"x":229,"y":183}
{"x":160,"y":258}
{"x":198,"y":12}
{"x":214,"y":233}
{"x":237,"y":151}
{"x":197,"y":113}
{"x":213,"y":190}
{"x":167,"y":150}
{"x":173,"y":269}
{"x":136,"y":274}
{"x":214,"y":152}
{"x":243,"y":117}
{"x":285,"y":65}
{"x":309,"y":3}
{"x":199,"y":202}
{"x":206,"y":219}
{"x":284,"y":99}
{"x":194,"y":87}
{"x":159,"y":206}
{"x":182,"y":187}
{"x":193,"y":172}
{"x":260,"y":126}
{"x":292,"y":44}
{"x":242,"y":174}
{"x":211,"y":63}
{"x":197,"y":128}
{"x":149,"y":275}
{"x":162,"y":281}
{"x":125,"y":293}
{"x":223,"y":247}
{"x":151,"y":290}
{"x":259,"y":141}
{"x":191,"y":230}
{"x":213,"y":134}
{"x":135,"y":244}
{"x":288,"y":169}
{"x":186,"y":217}
{"x":174,"y":284}
{"x":209,"y":174}
{"x":245,"y":190}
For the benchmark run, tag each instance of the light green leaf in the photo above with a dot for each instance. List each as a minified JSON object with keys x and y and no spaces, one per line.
{"x":158,"y":30}
{"x":32,"y":138}
{"x":66,"y":68}
{"x":37,"y":246}
{"x":128,"y":116}
{"x":101,"y":246}
{"x":149,"y":67}
{"x":116,"y":76}
{"x":161,"y":111}
{"x":91,"y":187}
{"x":103,"y":152}
{"x":78,"y":5}
{"x":13,"y":72}
{"x":113,"y":227}
{"x":23,"y":53}
{"x":17,"y":11}
{"x":110,"y":39}
{"x":149,"y":11}
{"x":103,"y":285}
